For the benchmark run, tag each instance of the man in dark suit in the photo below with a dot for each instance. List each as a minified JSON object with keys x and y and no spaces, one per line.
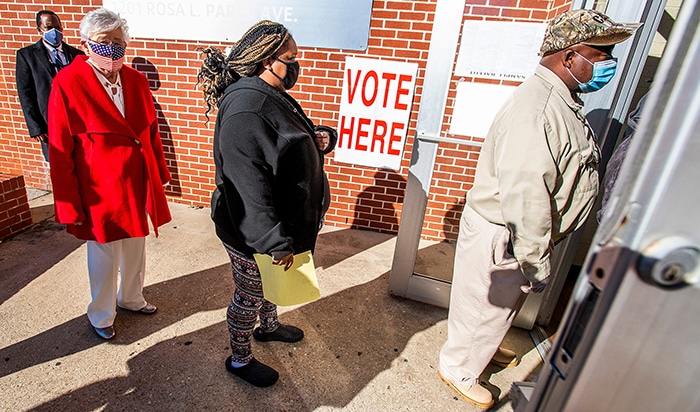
{"x":36,"y":66}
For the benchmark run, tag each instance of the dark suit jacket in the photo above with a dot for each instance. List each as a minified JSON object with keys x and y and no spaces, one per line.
{"x":34,"y":75}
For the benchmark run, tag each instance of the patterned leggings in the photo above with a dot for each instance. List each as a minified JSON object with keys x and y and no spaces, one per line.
{"x":247,"y":304}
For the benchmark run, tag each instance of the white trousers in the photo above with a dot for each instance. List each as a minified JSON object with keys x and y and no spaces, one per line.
{"x":105,"y":262}
{"x":484,"y":297}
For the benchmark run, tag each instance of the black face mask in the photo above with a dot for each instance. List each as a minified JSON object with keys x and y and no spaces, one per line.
{"x":290,"y":79}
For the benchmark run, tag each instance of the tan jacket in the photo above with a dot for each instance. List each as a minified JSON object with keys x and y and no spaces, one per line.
{"x":538,"y":170}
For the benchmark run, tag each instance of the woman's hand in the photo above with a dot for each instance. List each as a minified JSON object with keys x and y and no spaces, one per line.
{"x":323,"y":139}
{"x":285,"y":261}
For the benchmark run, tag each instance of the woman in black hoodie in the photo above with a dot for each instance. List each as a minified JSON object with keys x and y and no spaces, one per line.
{"x":271,"y":191}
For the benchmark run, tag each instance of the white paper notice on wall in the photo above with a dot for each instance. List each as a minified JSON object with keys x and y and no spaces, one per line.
{"x":499,"y":49}
{"x":476,"y":105}
{"x":375,"y":109}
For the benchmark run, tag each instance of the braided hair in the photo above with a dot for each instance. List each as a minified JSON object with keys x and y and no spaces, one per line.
{"x":218,"y":71}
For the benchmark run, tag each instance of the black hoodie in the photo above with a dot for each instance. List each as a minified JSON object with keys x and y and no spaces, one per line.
{"x":269,"y":172}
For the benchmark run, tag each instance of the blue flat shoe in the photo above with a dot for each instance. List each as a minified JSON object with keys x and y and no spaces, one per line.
{"x":105,"y":333}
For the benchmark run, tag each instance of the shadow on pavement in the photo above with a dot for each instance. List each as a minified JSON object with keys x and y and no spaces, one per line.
{"x":28,"y":255}
{"x":177,"y":299}
{"x":335,"y":246}
{"x":350,"y":338}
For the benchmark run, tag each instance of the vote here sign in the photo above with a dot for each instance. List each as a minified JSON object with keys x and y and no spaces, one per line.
{"x":375,"y":110}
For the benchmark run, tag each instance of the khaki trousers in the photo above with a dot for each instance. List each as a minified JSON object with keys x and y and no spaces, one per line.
{"x":105,"y":262}
{"x":483,"y":299}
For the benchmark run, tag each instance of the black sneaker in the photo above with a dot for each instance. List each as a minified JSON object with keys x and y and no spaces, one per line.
{"x":255,"y":373}
{"x":283,"y":333}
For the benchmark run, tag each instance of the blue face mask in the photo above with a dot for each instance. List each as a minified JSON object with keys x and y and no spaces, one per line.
{"x":603,"y":72}
{"x":53,"y":37}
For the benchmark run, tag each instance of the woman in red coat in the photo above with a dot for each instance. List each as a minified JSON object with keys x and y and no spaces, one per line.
{"x":107,"y":166}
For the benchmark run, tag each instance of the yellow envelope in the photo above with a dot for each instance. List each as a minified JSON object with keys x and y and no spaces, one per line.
{"x":297,"y":285}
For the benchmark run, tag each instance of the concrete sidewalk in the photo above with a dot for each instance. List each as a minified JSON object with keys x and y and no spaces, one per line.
{"x":363,"y":350}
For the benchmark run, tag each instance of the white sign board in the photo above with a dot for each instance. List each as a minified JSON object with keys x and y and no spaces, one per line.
{"x":375,"y":110}
{"x":499,"y":50}
{"x":476,"y":105}
{"x":337,"y":24}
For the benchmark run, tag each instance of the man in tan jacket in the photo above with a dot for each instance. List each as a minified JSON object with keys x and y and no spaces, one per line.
{"x":536,"y":182}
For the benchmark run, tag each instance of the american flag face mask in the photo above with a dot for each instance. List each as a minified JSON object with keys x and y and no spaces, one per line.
{"x":107,"y":56}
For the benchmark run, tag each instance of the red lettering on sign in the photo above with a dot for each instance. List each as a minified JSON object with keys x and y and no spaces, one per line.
{"x":371,"y":85}
{"x":388,"y":77}
{"x":355,"y":135}
{"x":394,"y":137}
{"x":379,"y":136}
{"x":346,"y":131}
{"x":402,"y":91}
{"x":352,"y":88}
{"x":362,"y":132}
{"x":370,"y":75}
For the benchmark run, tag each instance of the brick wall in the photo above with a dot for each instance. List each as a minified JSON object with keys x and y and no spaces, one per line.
{"x":362,"y":197}
{"x":14,"y":206}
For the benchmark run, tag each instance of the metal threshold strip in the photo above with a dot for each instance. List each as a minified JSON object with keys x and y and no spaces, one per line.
{"x":543,"y":342}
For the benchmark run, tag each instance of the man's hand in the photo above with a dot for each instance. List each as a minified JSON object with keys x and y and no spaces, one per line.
{"x":535,"y":287}
{"x":43,"y":138}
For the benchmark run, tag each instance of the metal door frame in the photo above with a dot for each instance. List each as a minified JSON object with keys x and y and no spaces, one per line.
{"x":438,"y":74}
{"x":650,"y":230}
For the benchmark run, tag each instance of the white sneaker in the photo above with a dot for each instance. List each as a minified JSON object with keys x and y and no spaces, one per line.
{"x":476,"y":394}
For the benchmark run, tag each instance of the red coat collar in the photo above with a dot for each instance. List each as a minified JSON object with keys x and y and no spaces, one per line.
{"x":88,"y":95}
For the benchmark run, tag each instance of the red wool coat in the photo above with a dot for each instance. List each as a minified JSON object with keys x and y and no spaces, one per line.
{"x":107,"y":170}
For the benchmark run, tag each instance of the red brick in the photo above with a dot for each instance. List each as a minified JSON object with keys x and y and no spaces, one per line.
{"x":534,"y":4}
{"x":539,"y":15}
{"x":516,"y":13}
{"x":399,"y":5}
{"x":5,"y":232}
{"x":379,"y":15}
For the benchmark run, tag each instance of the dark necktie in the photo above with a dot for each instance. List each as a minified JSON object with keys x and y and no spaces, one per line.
{"x":58,"y":63}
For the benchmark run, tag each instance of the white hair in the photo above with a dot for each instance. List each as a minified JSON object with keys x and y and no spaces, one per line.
{"x":102,"y":21}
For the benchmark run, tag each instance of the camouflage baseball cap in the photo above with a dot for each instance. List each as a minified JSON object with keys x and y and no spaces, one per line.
{"x":584,"y":26}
